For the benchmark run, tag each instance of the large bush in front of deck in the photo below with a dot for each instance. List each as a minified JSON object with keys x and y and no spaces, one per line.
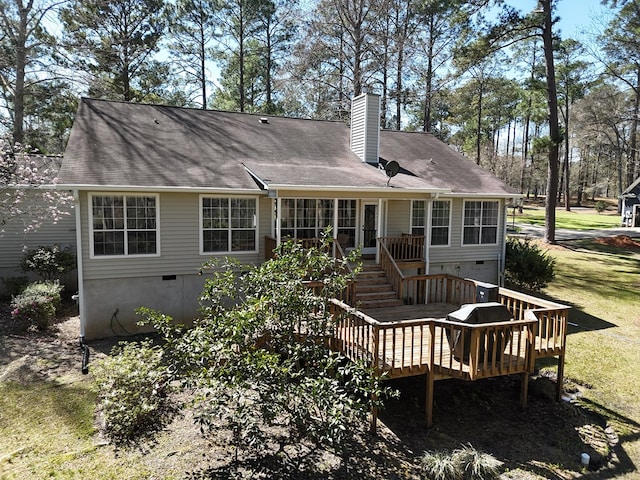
{"x":527,"y":265}
{"x":259,"y":362}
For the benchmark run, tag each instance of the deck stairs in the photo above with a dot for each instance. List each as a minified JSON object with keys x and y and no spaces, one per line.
{"x":373,"y":290}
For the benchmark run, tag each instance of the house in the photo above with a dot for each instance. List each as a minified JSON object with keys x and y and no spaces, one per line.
{"x":631,"y":205}
{"x":16,"y":237}
{"x":158,"y":190}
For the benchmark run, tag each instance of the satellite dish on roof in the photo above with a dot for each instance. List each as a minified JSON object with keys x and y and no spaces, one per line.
{"x":391,"y":169}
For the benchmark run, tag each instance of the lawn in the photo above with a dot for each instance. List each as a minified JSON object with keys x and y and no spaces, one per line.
{"x":48,"y":426}
{"x":602,"y":283}
{"x":577,"y":219}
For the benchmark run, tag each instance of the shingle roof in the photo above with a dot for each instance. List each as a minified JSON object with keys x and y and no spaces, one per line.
{"x":117,"y":144}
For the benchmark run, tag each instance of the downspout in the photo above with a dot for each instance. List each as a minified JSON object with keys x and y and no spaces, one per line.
{"x":76,"y":198}
{"x":79,"y":268}
{"x":336,"y":202}
{"x":278,"y":220}
{"x":501,"y":256}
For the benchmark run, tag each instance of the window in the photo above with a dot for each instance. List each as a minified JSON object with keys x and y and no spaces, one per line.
{"x":480,"y":223}
{"x":124,"y":225}
{"x":440,"y":221}
{"x":417,"y":217}
{"x":347,"y":222}
{"x":305,"y":217}
{"x":228,"y":224}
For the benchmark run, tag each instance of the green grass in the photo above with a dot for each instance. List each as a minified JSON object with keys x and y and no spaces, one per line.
{"x":573,"y":220}
{"x":603,"y":351}
{"x":47,"y":431}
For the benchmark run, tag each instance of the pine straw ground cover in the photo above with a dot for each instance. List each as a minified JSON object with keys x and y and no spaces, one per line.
{"x":49,"y":428}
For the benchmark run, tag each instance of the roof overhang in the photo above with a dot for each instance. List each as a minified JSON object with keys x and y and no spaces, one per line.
{"x":155,"y":189}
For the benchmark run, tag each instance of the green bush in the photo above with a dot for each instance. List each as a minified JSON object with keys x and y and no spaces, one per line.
{"x":37,"y":304}
{"x":527,"y":265}
{"x":465,"y":463}
{"x":48,"y":262}
{"x":601,"y":206}
{"x":133,"y":391}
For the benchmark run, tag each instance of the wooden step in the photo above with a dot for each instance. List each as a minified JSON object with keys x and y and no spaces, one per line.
{"x":369,"y":304}
{"x":366,"y":287}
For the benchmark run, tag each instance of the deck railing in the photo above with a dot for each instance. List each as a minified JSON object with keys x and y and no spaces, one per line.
{"x":405,"y":248}
{"x":436,"y":347}
{"x":551,"y":328}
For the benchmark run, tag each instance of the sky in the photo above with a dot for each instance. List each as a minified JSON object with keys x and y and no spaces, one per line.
{"x":576,"y":16}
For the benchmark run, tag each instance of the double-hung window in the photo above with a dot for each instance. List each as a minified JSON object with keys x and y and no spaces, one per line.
{"x":228,"y":224}
{"x":440,"y":222}
{"x":480,"y":222}
{"x":418,"y":211}
{"x":124,"y":225}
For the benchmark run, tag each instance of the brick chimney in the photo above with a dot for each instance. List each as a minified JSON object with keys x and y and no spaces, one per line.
{"x":365,"y":127}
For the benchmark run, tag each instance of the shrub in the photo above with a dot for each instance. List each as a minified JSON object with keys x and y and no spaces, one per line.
{"x":465,"y":463}
{"x":133,"y":388}
{"x":601,"y":206}
{"x":527,"y":265}
{"x":37,"y":304}
{"x":48,"y":262}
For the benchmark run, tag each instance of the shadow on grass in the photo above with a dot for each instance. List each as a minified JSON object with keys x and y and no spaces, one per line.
{"x":547,"y":439}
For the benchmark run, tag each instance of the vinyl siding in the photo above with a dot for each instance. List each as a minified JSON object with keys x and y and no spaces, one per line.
{"x":461,"y":253}
{"x":399,"y":221}
{"x":14,"y":241}
{"x":179,"y":242}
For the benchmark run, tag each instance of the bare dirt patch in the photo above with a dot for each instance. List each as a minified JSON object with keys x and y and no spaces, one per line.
{"x":620,"y":241}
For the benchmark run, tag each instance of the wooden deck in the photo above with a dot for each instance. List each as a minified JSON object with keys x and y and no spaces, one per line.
{"x":418,"y":339}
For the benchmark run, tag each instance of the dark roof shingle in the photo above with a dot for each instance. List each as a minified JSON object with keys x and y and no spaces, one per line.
{"x":117,"y":144}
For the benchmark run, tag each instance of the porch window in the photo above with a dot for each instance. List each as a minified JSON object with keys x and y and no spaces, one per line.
{"x":480,"y":223}
{"x":124,"y":225}
{"x":305,"y":217}
{"x":228,"y":225}
{"x":347,"y":218}
{"x":417,"y":217}
{"x":440,"y":222}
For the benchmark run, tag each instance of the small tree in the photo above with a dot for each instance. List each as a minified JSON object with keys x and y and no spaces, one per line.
{"x":26,"y":195}
{"x":48,"y":262}
{"x":527,"y":265}
{"x":260,"y":359}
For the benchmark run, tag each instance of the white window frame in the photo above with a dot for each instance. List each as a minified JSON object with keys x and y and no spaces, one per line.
{"x":125,"y":230}
{"x":496,"y":226}
{"x":431,"y":225}
{"x":317,"y":228}
{"x":424,"y":217}
{"x":229,"y":229}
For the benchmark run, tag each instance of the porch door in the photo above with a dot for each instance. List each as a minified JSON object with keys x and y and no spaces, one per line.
{"x":369,"y":228}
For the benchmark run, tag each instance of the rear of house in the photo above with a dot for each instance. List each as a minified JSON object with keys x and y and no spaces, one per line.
{"x":159,"y":190}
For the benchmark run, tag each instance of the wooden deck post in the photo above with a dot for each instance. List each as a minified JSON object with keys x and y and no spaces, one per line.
{"x":429,"y":399}
{"x":524,"y":390}
{"x":560,"y":378}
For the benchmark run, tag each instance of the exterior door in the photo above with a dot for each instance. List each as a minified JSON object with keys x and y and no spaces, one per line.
{"x":369,"y":228}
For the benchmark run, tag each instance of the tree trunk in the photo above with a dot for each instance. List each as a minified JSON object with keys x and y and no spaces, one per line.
{"x":203,"y":67}
{"x":554,"y":128}
{"x":429,"y":80}
{"x":633,"y":134}
{"x":567,"y":157}
{"x":479,"y":126}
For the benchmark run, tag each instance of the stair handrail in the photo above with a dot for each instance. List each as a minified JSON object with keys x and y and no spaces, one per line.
{"x":390,"y":268}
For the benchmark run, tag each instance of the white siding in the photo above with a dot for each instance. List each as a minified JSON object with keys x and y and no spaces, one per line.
{"x":399,"y":220}
{"x":14,"y":242}
{"x":365,"y":127}
{"x":179,"y":243}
